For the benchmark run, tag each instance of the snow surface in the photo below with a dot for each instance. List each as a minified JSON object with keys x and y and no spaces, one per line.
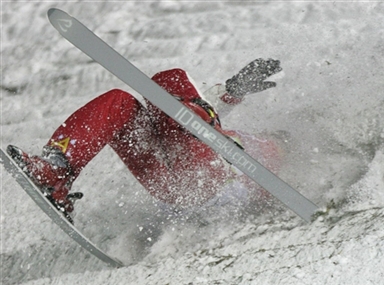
{"x":329,"y":108}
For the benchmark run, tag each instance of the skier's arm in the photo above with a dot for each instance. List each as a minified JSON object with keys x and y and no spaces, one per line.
{"x":250,"y":79}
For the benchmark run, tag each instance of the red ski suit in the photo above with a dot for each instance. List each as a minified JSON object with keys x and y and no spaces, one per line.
{"x":167,"y":160}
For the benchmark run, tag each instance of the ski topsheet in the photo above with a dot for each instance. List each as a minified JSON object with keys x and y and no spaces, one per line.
{"x":57,"y":216}
{"x":85,"y":40}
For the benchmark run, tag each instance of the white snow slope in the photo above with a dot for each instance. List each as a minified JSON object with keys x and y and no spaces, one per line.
{"x":329,"y":107}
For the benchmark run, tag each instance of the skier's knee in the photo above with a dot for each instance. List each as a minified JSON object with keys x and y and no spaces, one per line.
{"x":118,"y":93}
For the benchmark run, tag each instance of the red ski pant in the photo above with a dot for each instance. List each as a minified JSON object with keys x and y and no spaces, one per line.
{"x":90,"y":128}
{"x":118,"y":119}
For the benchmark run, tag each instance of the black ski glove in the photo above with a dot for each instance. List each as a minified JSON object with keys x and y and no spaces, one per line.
{"x":251,"y":78}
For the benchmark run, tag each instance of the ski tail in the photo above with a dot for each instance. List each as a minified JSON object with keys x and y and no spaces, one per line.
{"x":56,"y":215}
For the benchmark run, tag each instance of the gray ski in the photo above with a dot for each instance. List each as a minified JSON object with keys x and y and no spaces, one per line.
{"x":85,"y":40}
{"x":37,"y":196}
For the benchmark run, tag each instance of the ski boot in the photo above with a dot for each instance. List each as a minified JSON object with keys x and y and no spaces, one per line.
{"x":51,"y":173}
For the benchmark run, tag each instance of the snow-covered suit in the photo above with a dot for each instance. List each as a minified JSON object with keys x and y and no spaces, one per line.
{"x":171,"y":164}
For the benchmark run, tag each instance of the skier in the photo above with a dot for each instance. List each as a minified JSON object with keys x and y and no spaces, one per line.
{"x":171,"y":164}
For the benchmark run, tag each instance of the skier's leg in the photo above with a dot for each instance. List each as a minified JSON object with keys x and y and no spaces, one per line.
{"x":90,"y":128}
{"x":171,"y":164}
{"x":76,"y":142}
{"x":139,"y":147}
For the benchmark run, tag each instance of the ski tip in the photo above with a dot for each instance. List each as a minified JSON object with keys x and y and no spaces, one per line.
{"x":56,"y":13}
{"x":60,"y":20}
{"x":51,"y":11}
